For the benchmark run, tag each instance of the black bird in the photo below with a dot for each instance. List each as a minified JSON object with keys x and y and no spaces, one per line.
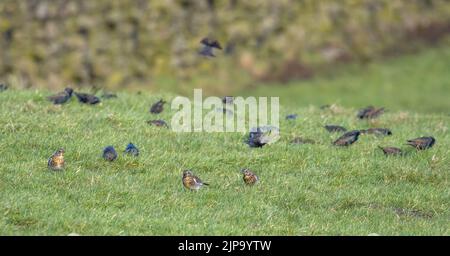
{"x":377,"y":131}
{"x":158,"y":123}
{"x":109,"y":95}
{"x":422,"y":143}
{"x":370,"y":112}
{"x":131,"y":149}
{"x":227,"y":100}
{"x":208,"y":46}
{"x":109,"y":153}
{"x":335,"y":128}
{"x":3,"y":87}
{"x":61,"y":97}
{"x":291,"y":117}
{"x":348,"y":138}
{"x":391,"y":150}
{"x":256,"y":139}
{"x":87,"y":98}
{"x":158,"y":107}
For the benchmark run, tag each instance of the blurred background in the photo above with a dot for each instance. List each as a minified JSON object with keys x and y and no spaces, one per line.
{"x":152,"y":45}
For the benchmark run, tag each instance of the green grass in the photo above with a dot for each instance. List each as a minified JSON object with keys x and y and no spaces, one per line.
{"x":304,"y":189}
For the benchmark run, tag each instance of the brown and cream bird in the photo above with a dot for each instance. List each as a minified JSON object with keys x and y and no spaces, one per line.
{"x":370,"y":112}
{"x":391,"y":151}
{"x":347,"y":139}
{"x":158,"y":107}
{"x":192,"y":182}
{"x":56,"y":161}
{"x":422,"y":143}
{"x":249,"y":177}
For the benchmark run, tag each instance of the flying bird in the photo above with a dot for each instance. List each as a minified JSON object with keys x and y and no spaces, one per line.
{"x":208,"y":46}
{"x":56,"y":161}
{"x":131,"y":149}
{"x":87,"y":98}
{"x":61,"y":97}
{"x":158,"y":123}
{"x":391,"y":150}
{"x":348,"y":138}
{"x":335,"y":128}
{"x":249,"y":177}
{"x":370,"y":112}
{"x":192,"y":182}
{"x":422,"y":143}
{"x":377,"y":131}
{"x":109,"y":153}
{"x":158,"y":107}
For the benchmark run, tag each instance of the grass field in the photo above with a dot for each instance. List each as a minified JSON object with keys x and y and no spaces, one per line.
{"x":315,"y":189}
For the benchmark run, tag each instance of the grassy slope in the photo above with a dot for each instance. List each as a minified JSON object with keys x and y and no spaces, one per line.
{"x":309,"y":189}
{"x":420,"y":83}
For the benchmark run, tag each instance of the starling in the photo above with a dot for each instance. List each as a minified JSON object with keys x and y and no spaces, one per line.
{"x":158,"y":107}
{"x":61,"y":97}
{"x":131,"y":149}
{"x":87,"y":98}
{"x":211,"y":43}
{"x":370,"y":112}
{"x":260,"y":136}
{"x":56,"y":161}
{"x":422,"y":143}
{"x":335,"y":128}
{"x":299,"y":140}
{"x":109,"y":153}
{"x":208,"y":46}
{"x":391,"y":151}
{"x":108,"y":95}
{"x":3,"y":87}
{"x":291,"y":117}
{"x":377,"y":131}
{"x":192,"y":182}
{"x":348,"y":138}
{"x":323,"y":107}
{"x":249,"y":177}
{"x":228,"y":100}
{"x":158,"y":123}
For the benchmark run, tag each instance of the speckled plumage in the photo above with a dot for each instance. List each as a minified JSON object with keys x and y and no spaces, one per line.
{"x":61,"y":97}
{"x":422,"y":143}
{"x":109,"y":153}
{"x":249,"y":177}
{"x":87,"y":98}
{"x":158,"y":107}
{"x":158,"y":123}
{"x":131,"y":149}
{"x":348,"y":138}
{"x":391,"y":151}
{"x":370,"y":112}
{"x":192,"y":182}
{"x":56,"y":161}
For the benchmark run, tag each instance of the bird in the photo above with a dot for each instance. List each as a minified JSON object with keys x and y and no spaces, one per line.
{"x":228,"y":100}
{"x":291,"y":117}
{"x":391,"y":150}
{"x":158,"y":107}
{"x":335,"y":128}
{"x":158,"y":123}
{"x":56,"y":161}
{"x":131,"y":149}
{"x":87,"y":98}
{"x":377,"y":131}
{"x":249,"y":177}
{"x":109,"y":153}
{"x":422,"y":143}
{"x":260,"y":136}
{"x":299,"y":140}
{"x":192,"y":182}
{"x":61,"y":97}
{"x":108,"y":95}
{"x":3,"y":87}
{"x":370,"y":112}
{"x":208,"y":46}
{"x":348,"y":138}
